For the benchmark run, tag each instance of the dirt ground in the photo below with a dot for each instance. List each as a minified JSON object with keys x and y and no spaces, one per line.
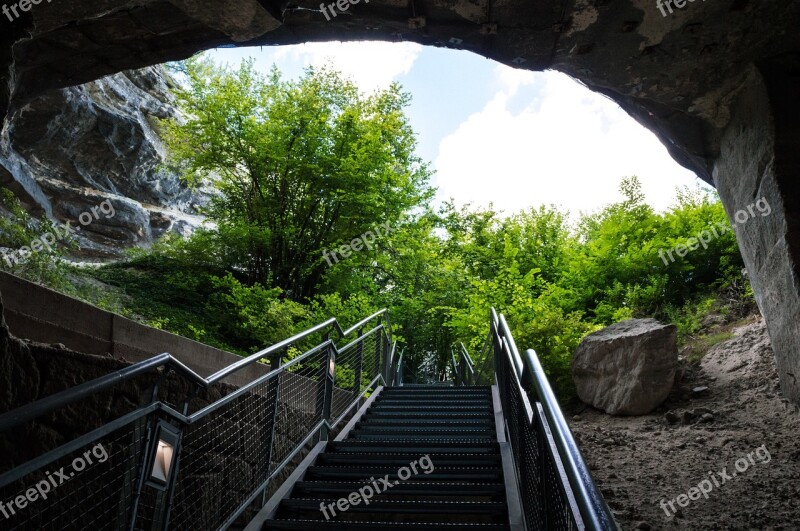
{"x":698,"y":434}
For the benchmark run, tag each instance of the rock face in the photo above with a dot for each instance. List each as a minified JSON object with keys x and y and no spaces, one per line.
{"x":627,"y":368}
{"x":71,"y":150}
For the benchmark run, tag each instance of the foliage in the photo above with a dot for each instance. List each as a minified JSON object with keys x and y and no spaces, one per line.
{"x":441,"y":272}
{"x":19,"y":229}
{"x":300,"y":166}
{"x":305,"y":166}
{"x":256,"y":316}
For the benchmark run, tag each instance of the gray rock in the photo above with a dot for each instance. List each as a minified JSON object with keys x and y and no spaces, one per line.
{"x":627,"y":368}
{"x":68,"y":151}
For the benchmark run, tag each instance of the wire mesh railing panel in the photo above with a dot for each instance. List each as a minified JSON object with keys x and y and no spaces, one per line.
{"x":546,"y":503}
{"x":93,"y":487}
{"x":371,"y":363}
{"x":344,"y":383}
{"x":224,"y":457}
{"x":531,"y":463}
{"x":355,"y":367}
{"x":524,"y":448}
{"x":235,"y":446}
{"x":301,"y":405}
{"x":560,"y":515}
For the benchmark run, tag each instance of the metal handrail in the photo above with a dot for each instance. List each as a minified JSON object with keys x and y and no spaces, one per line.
{"x":454,"y":363}
{"x":19,"y":416}
{"x":462,"y":364}
{"x":469,"y":364}
{"x":397,"y":374}
{"x":286,"y":343}
{"x":182,"y":420}
{"x":593,"y":509}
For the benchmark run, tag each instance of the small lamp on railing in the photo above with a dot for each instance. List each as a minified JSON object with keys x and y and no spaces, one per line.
{"x":162,"y":456}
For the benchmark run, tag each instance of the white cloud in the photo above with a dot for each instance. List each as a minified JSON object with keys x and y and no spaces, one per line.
{"x":567,"y":146}
{"x":371,"y":65}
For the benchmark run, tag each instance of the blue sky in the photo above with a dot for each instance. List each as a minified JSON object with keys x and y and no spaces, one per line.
{"x":493,"y":134}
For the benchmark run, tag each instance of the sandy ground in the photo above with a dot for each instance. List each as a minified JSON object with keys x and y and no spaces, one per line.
{"x":640,"y":462}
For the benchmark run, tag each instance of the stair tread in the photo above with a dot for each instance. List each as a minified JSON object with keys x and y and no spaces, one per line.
{"x":454,"y":427}
{"x":346,"y":525}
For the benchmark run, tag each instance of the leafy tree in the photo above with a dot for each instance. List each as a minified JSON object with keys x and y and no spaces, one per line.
{"x":301,"y":166}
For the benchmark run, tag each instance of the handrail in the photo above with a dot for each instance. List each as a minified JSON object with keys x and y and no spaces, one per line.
{"x":323,"y":357}
{"x":506,"y":333}
{"x":397,"y":376}
{"x":364,"y":321}
{"x":460,"y":368}
{"x":470,"y":364}
{"x":16,"y":417}
{"x":592,"y":506}
{"x":253,"y":358}
{"x":455,"y":367}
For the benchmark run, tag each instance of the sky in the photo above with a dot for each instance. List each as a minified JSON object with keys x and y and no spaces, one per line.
{"x":499,"y":136}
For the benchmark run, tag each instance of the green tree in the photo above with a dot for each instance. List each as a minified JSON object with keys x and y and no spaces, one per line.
{"x":301,"y":166}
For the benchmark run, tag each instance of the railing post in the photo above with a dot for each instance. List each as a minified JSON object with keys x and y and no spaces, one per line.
{"x":359,"y":367}
{"x":387,"y":360}
{"x":328,"y":374}
{"x":456,"y":372}
{"x":397,"y":378}
{"x":273,"y":396}
{"x":378,"y":353}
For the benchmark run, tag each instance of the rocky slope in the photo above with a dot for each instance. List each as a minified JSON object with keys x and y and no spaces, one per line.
{"x":70,"y":150}
{"x":725,"y":407}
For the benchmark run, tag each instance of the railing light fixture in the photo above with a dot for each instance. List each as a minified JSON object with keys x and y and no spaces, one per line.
{"x":162,"y":455}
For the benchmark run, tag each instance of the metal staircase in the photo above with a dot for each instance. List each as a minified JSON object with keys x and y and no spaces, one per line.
{"x":452,"y":429}
{"x":330,"y":438}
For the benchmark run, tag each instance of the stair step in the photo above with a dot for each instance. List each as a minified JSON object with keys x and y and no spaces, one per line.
{"x":421,"y":447}
{"x":432,"y":409}
{"x":278,"y":525}
{"x":429,"y":387}
{"x":439,"y":473}
{"x":420,"y":438}
{"x":431,"y":421}
{"x":437,"y":391}
{"x":401,"y":459}
{"x":468,"y":507}
{"x":440,"y":431}
{"x":393,"y":511}
{"x":478,"y":401}
{"x":428,"y":489}
{"x":426,"y":415}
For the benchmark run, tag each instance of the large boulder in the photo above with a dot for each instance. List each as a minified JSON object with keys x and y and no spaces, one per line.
{"x":627,"y":368}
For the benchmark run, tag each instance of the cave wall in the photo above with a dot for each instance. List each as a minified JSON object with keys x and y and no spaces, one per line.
{"x":760,"y":158}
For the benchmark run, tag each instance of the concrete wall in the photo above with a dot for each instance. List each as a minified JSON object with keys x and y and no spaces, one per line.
{"x":43,"y":315}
